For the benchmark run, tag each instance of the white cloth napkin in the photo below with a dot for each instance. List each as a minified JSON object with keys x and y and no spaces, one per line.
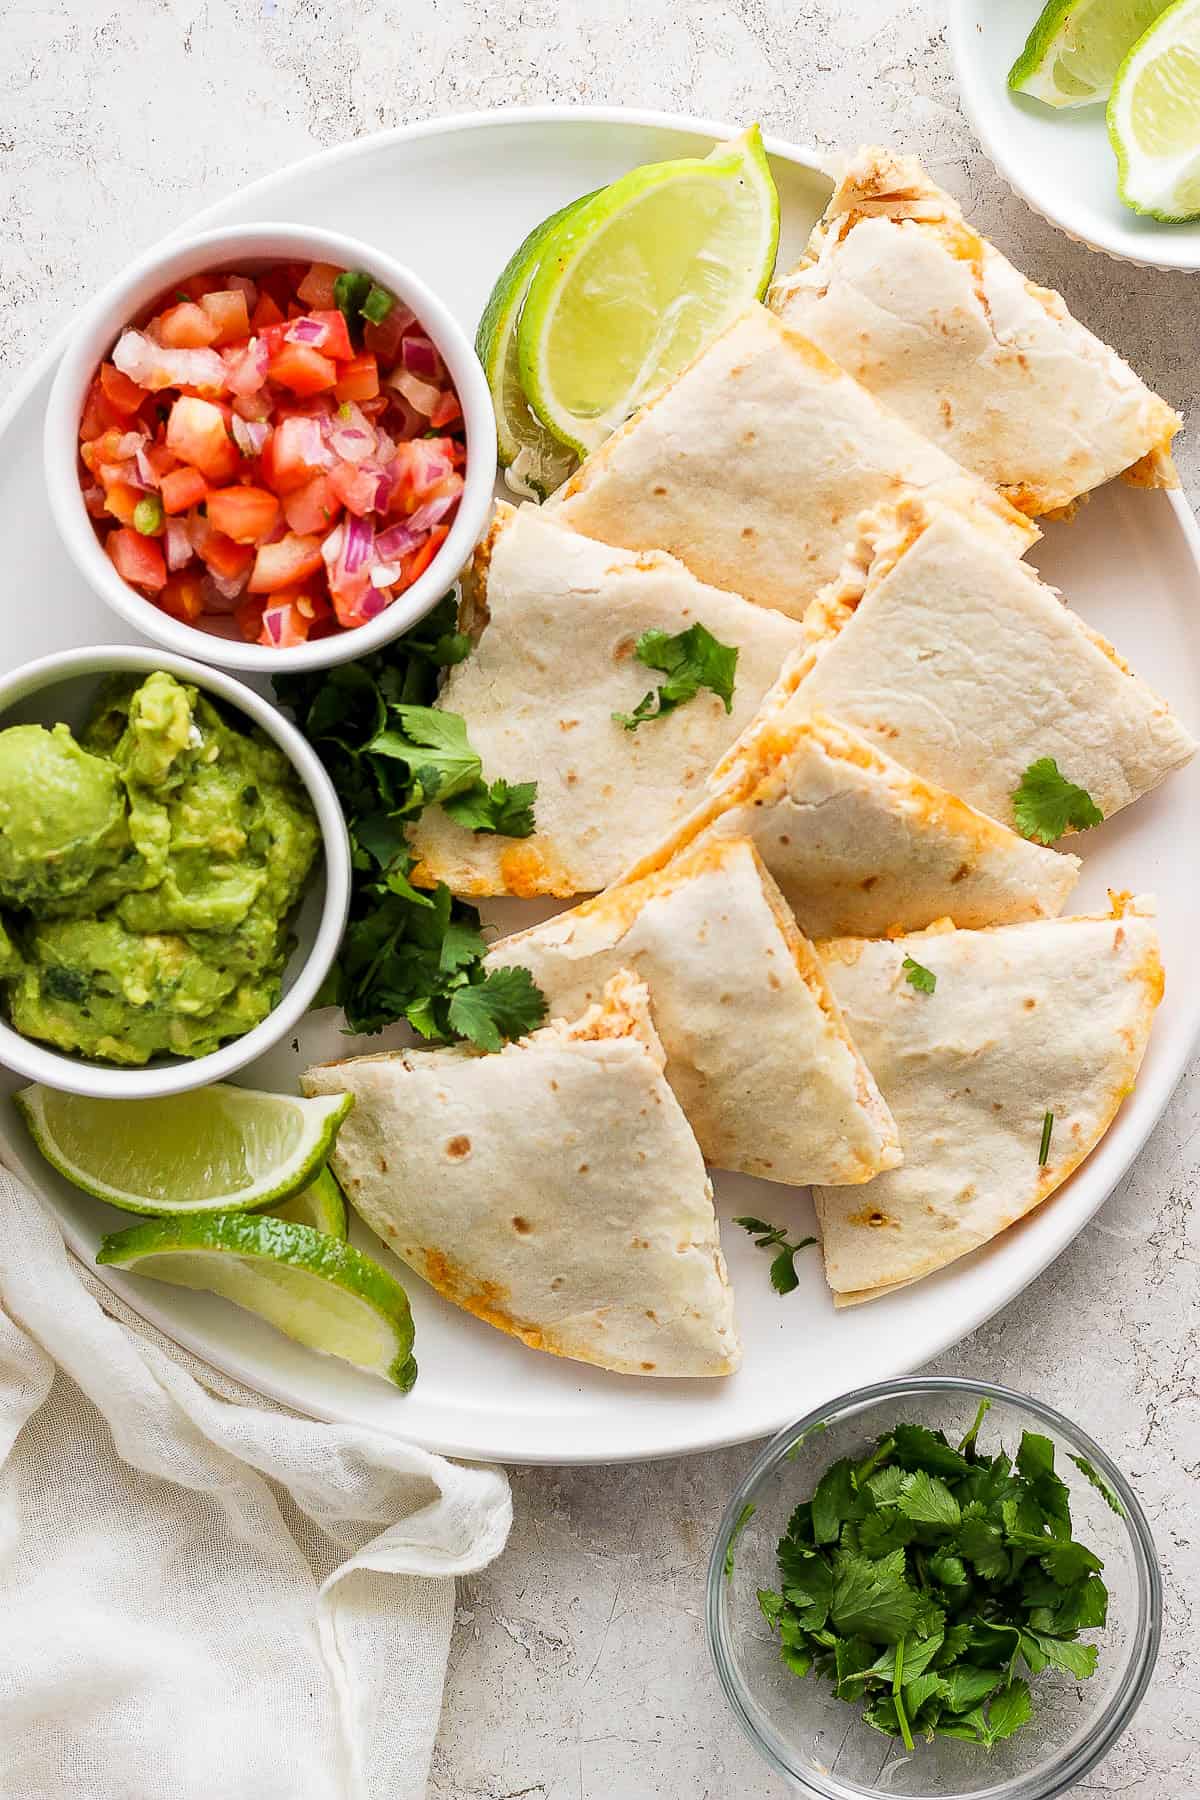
{"x":202,"y":1596}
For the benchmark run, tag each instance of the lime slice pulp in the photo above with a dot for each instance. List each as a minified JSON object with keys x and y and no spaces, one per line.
{"x":1154,"y":117}
{"x":534,"y":462}
{"x":321,"y":1204}
{"x":217,"y":1149}
{"x":1072,"y":55}
{"x":316,"y":1289}
{"x":636,"y":281}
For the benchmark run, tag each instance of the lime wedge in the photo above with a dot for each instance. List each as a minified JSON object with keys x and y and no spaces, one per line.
{"x":1154,"y":117}
{"x":634,"y":283}
{"x":216,"y":1149}
{"x":311,"y":1286}
{"x":321,"y":1204}
{"x":534,"y":462}
{"x":1072,"y":55}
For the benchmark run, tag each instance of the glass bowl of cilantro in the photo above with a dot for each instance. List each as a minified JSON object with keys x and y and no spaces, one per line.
{"x":934,"y":1587}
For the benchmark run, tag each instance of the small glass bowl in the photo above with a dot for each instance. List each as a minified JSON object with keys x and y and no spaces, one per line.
{"x":820,"y":1743}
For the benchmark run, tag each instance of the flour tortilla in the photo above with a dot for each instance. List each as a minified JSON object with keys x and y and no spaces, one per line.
{"x":941,"y":328}
{"x":859,"y":845}
{"x":754,"y":465}
{"x":554,"y":1189}
{"x":560,"y":615}
{"x":967,"y":668}
{"x":756,"y":1052}
{"x":1029,"y":1019}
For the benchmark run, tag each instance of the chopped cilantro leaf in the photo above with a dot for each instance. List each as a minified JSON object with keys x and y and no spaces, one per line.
{"x":1098,"y":1482}
{"x":691,"y":660}
{"x":1046,"y":804}
{"x":784,"y":1278}
{"x":918,"y":976}
{"x":739,"y":1525}
{"x":504,"y":808}
{"x":505,"y":1004}
{"x":1044,"y":1146}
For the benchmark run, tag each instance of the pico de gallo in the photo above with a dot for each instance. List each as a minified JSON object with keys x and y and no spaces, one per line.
{"x":279,"y":454}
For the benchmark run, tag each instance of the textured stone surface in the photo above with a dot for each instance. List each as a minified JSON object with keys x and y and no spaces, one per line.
{"x":579,"y":1670}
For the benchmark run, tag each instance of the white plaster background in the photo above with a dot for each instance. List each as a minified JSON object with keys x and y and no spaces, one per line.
{"x":579,"y":1670}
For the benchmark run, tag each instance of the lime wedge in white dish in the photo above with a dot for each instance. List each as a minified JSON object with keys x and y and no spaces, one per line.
{"x":321,"y":1204}
{"x":1154,"y":117}
{"x":1072,"y":55}
{"x":635,"y":282}
{"x":220,"y":1148}
{"x":534,"y":462}
{"x":309,"y":1285}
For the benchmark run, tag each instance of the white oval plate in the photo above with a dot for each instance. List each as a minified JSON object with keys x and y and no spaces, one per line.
{"x":1061,"y":162}
{"x":453,"y":198}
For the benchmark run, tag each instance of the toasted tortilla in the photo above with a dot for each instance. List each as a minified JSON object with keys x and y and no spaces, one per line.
{"x":963,"y":664}
{"x":756,"y":1052}
{"x":554,"y":660}
{"x":554,"y":1189}
{"x":929,"y":316}
{"x":859,"y":845}
{"x":1046,"y":1017}
{"x":754,"y":465}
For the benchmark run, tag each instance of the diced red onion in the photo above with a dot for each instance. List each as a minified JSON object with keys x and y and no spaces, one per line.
{"x":178,"y":543}
{"x":255,"y":407}
{"x":130,"y":442}
{"x":331,"y":549}
{"x":352,"y":443}
{"x":384,"y":447}
{"x":420,"y":357}
{"x":198,"y":528}
{"x":406,"y":421}
{"x":126,"y":472}
{"x":246,"y":370}
{"x":307,"y":331}
{"x":383,"y":490}
{"x":250,"y":435}
{"x":154,"y":367}
{"x":93,"y":499}
{"x":435,"y":510}
{"x":373,"y":603}
{"x":229,"y":587}
{"x":359,"y":545}
{"x":419,"y":394}
{"x":400,"y":540}
{"x":145,"y":469}
{"x":383,"y":574}
{"x":244,"y":285}
{"x":273,"y":618}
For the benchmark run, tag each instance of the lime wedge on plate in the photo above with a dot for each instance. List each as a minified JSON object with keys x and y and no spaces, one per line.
{"x":219,"y":1148}
{"x":321,"y":1204}
{"x":1072,"y":55}
{"x":535,"y":463}
{"x":311,"y":1286}
{"x":1154,"y":117}
{"x":634,"y":282}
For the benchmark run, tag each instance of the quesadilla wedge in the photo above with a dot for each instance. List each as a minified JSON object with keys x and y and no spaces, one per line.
{"x":859,"y":845}
{"x":754,"y":465}
{"x":558,"y":616}
{"x":756,"y":1051}
{"x":897,"y":288}
{"x":1028,"y":1020}
{"x":553,"y":1189}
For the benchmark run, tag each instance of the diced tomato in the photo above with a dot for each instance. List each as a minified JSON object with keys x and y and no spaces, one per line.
{"x":103,"y":449}
{"x":301,"y":369}
{"x":246,"y":369}
{"x":99,"y":414}
{"x":384,"y":339}
{"x":354,"y":487}
{"x":294,"y":453}
{"x":415,"y":565}
{"x":197,"y":434}
{"x":220,"y":554}
{"x":137,"y":559}
{"x":285,"y":563}
{"x":447,"y":411}
{"x":283,"y":625}
{"x":186,"y":327}
{"x":419,"y":465}
{"x":182,"y":489}
{"x":358,"y":379}
{"x":248,"y":615}
{"x":123,"y":395}
{"x":313,"y":508}
{"x":161,"y":460}
{"x":265,"y":313}
{"x":246,"y":514}
{"x":121,"y":500}
{"x":183,"y":596}
{"x":317,"y":287}
{"x":336,"y":339}
{"x":226,"y":310}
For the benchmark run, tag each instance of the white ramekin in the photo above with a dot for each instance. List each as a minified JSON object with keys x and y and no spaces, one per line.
{"x":239,"y":247}
{"x":321,"y":921}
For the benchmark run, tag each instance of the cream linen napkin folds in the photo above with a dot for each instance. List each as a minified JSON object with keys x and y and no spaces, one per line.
{"x":203,"y":1596}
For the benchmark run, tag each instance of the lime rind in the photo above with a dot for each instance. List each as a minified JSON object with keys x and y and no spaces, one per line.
{"x":742,"y":161}
{"x":321,"y":1204}
{"x":319,"y":1119}
{"x":314,"y":1288}
{"x":1075,"y":48}
{"x":1176,"y":196}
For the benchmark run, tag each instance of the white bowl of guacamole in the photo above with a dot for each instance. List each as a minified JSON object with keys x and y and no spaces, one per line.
{"x":174,"y":873}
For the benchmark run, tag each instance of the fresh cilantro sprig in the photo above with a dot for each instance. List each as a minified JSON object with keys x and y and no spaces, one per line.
{"x":783,"y":1266}
{"x":918,"y":976}
{"x":1046,"y":804}
{"x":691,"y":660}
{"x":920,"y":1578}
{"x":411,"y":953}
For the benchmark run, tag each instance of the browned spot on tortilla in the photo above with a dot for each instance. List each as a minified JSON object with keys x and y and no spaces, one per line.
{"x":383,"y":1167}
{"x":583,"y":1168}
{"x":556,"y":1284}
{"x":652,"y":1316}
{"x":1030,"y":1003}
{"x":522,"y":1225}
{"x":658,"y":488}
{"x":947,"y":412}
{"x":567,"y":724}
{"x":647,"y":1367}
{"x":872,"y":1216}
{"x":458,"y":1147}
{"x":961,"y":873}
{"x":624,"y":648}
{"x":773,"y":980}
{"x":748,"y":531}
{"x":870,"y":882}
{"x":486,"y":1299}
{"x":637,"y":1243}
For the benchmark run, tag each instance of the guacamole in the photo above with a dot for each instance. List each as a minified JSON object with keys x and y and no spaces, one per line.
{"x":148,"y":873}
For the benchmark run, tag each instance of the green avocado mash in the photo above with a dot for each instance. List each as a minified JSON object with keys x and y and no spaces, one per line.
{"x":147,"y":875}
